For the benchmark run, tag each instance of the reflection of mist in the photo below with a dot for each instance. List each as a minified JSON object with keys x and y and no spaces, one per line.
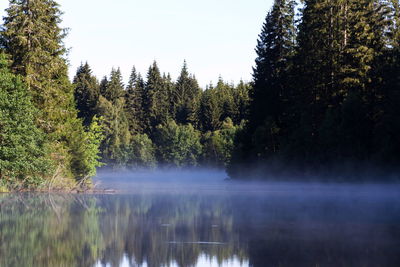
{"x":281,"y":224}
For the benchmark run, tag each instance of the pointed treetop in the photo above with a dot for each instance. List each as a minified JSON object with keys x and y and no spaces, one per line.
{"x":133,"y":78}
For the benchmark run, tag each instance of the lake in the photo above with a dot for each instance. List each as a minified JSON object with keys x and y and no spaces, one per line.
{"x":165,"y":222}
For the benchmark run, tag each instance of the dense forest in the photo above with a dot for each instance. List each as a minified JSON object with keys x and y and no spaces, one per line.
{"x":324,"y":98}
{"x":326,"y":91}
{"x":54,"y":132}
{"x":160,"y":122}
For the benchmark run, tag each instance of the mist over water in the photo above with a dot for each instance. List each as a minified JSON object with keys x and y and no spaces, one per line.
{"x":159,"y":179}
{"x":197,"y":218}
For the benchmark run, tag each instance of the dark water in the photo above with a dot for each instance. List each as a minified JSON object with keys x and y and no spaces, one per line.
{"x":220,"y":224}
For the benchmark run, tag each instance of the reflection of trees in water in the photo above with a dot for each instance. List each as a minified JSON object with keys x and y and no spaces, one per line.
{"x":164,"y":229}
{"x":61,"y":230}
{"x":48,"y":230}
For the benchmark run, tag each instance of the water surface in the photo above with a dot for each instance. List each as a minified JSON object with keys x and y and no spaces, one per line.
{"x":211,"y":224}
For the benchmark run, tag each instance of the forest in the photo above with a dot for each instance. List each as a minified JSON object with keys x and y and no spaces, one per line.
{"x":324,"y":98}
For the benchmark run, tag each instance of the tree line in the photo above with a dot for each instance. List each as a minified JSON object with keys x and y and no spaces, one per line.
{"x":324,"y":98}
{"x":54,"y":133}
{"x":326,"y":90}
{"x":160,"y":122}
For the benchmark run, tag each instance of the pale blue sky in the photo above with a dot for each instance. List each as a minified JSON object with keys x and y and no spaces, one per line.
{"x":216,"y":37}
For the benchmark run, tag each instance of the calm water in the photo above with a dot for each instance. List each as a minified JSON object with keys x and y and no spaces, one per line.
{"x":219,"y":224}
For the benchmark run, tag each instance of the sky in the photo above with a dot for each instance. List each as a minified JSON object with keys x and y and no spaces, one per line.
{"x":215,"y":37}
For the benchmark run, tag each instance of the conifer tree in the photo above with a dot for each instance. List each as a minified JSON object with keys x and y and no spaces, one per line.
{"x":112,"y":108}
{"x":32,"y":36}
{"x":225,"y":97}
{"x":115,"y":87}
{"x":134,"y":102}
{"x":241,"y":101}
{"x":169,"y":87}
{"x":23,"y":159}
{"x":268,"y":94}
{"x":156,"y":104}
{"x":210,"y":111}
{"x":86,"y":93}
{"x":186,"y":97}
{"x":103,"y":86}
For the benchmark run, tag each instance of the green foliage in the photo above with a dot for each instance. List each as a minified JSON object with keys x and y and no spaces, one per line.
{"x":114,"y":88}
{"x":134,"y":98}
{"x":327,"y":96}
{"x":23,"y":154}
{"x":222,"y":102}
{"x":210,"y":111}
{"x":85,"y":150}
{"x":86,"y":93}
{"x":218,"y":145}
{"x":114,"y":123}
{"x":142,"y":152}
{"x":155,"y":102}
{"x":185,"y":98}
{"x":178,"y":145}
{"x":32,"y":36}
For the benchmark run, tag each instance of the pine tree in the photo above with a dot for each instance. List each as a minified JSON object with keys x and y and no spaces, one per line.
{"x":115,"y":146}
{"x":169,"y":87}
{"x":156,"y":104}
{"x":241,"y":101}
{"x":262,"y":136}
{"x":225,"y":97}
{"x":134,"y":102}
{"x":86,"y":93}
{"x":210,"y":111}
{"x":115,"y":87}
{"x":103,"y":86}
{"x":186,"y":97}
{"x":32,"y":35}
{"x":111,"y":107}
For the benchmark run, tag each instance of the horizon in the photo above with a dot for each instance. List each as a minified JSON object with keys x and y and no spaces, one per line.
{"x":207,"y":35}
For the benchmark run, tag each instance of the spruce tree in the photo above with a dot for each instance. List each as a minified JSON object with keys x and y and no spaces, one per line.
{"x":32,"y":35}
{"x":241,"y":101}
{"x":112,"y":109}
{"x":134,"y":102}
{"x":186,"y":97}
{"x":210,"y":111}
{"x":114,"y":89}
{"x":262,"y":136}
{"x":156,"y":104}
{"x":86,"y":93}
{"x":225,"y":97}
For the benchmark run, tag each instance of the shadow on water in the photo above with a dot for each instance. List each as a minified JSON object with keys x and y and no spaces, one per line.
{"x":173,"y":223}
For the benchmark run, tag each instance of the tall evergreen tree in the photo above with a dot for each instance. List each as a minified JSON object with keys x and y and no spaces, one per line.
{"x":114,"y":89}
{"x":210,"y":111}
{"x":112,"y":108}
{"x":225,"y":97}
{"x":186,"y":97}
{"x":32,"y":35}
{"x":261,"y":137}
{"x":156,"y":104}
{"x":86,"y":93}
{"x":134,"y":102}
